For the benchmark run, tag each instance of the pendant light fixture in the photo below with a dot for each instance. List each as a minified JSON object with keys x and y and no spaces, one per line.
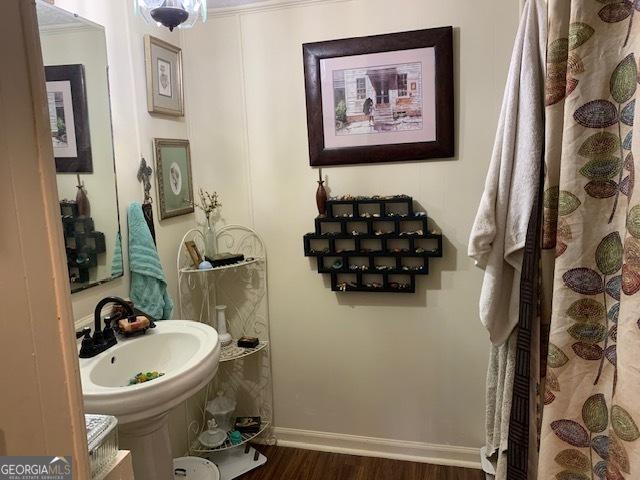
{"x":172,"y":13}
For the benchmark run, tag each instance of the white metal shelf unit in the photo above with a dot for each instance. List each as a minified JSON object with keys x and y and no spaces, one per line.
{"x":243,"y":373}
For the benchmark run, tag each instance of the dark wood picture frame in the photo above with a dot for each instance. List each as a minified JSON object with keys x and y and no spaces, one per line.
{"x":441,"y":39}
{"x":74,"y":74}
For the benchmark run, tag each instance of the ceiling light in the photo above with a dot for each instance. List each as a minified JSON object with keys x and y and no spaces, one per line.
{"x":172,"y":13}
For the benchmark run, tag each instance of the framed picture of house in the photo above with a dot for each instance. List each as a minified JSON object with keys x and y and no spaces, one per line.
{"x":173,"y":176}
{"x":163,"y":63}
{"x":383,"y":98}
{"x":69,"y":118}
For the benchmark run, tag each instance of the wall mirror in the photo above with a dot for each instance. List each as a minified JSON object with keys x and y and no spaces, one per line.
{"x":74,"y":53}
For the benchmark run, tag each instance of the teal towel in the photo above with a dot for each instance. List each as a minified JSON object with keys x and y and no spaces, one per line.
{"x":116,"y":263}
{"x":148,"y":285}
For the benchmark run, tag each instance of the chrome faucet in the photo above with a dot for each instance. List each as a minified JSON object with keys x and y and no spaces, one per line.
{"x":102,"y":339}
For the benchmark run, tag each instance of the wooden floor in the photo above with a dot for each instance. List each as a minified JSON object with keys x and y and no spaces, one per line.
{"x":294,"y":464}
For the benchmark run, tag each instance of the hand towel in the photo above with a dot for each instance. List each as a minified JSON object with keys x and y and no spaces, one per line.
{"x":148,"y":290}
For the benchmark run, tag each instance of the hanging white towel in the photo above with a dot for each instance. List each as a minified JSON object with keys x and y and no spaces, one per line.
{"x":500,"y":228}
{"x":499,"y":232}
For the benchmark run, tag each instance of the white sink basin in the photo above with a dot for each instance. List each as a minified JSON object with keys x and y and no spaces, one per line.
{"x":186,"y":352}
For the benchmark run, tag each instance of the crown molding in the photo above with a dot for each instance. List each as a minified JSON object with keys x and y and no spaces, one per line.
{"x":265,"y":6}
{"x":62,"y":29}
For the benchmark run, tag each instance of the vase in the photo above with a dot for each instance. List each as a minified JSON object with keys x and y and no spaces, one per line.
{"x":82,"y":201}
{"x":321,"y":199}
{"x":223,"y":335}
{"x":210,"y":242}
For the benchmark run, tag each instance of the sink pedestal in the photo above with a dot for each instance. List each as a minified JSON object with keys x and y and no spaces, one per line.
{"x":150,"y":446}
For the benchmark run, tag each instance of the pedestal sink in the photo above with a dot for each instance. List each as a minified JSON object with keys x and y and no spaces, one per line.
{"x":186,"y":352}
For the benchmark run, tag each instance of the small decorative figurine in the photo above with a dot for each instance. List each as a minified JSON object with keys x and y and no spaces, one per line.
{"x":321,"y":195}
{"x":213,"y":436}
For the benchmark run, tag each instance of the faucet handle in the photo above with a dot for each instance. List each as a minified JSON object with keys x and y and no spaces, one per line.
{"x":108,"y":333}
{"x":87,"y":347}
{"x":109,"y":320}
{"x":83,"y":333}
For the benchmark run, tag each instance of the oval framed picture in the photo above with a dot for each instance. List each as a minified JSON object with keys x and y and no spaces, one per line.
{"x":173,"y":177}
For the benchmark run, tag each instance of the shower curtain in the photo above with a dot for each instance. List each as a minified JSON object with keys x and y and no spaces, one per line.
{"x":591,"y":243}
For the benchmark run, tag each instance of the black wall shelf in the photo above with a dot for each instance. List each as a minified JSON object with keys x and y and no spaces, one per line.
{"x":83,"y":243}
{"x":373,"y":244}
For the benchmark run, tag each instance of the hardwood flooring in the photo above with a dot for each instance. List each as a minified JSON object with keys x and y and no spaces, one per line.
{"x":295,"y":464}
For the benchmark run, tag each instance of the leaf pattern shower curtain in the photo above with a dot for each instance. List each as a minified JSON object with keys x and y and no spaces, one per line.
{"x":591,"y":242}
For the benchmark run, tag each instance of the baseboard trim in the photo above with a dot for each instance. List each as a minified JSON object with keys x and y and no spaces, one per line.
{"x":448,"y":455}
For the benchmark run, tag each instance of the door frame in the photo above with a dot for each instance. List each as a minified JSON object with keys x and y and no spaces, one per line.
{"x":41,"y":409}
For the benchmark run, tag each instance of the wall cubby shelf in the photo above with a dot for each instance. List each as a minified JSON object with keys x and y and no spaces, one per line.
{"x":83,"y":244}
{"x":373,"y":244}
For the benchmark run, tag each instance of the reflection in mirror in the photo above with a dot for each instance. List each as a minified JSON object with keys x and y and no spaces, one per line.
{"x":75,"y":57}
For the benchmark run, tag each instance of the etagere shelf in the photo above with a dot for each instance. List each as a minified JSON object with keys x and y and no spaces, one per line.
{"x":243,"y":373}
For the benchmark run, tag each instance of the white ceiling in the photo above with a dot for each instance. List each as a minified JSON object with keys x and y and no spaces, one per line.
{"x":230,"y":3}
{"x":49,"y":16}
{"x":55,"y":18}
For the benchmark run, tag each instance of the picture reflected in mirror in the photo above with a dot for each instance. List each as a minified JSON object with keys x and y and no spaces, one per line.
{"x":74,"y":53}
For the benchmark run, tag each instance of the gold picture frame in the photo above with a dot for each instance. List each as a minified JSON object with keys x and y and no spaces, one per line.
{"x":194,"y":253}
{"x":163,"y":65}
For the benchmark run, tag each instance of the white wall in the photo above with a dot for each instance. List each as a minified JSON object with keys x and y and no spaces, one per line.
{"x":397,"y":367}
{"x":376,"y":365}
{"x":133,"y":130}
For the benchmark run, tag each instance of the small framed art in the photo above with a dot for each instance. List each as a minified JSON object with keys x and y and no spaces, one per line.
{"x":383,"y":98}
{"x":194,"y":253}
{"x":173,"y":176}
{"x":69,"y":118}
{"x":163,"y":63}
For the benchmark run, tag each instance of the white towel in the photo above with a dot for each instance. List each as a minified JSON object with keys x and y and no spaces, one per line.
{"x":500,"y":228}
{"x":499,"y":232}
